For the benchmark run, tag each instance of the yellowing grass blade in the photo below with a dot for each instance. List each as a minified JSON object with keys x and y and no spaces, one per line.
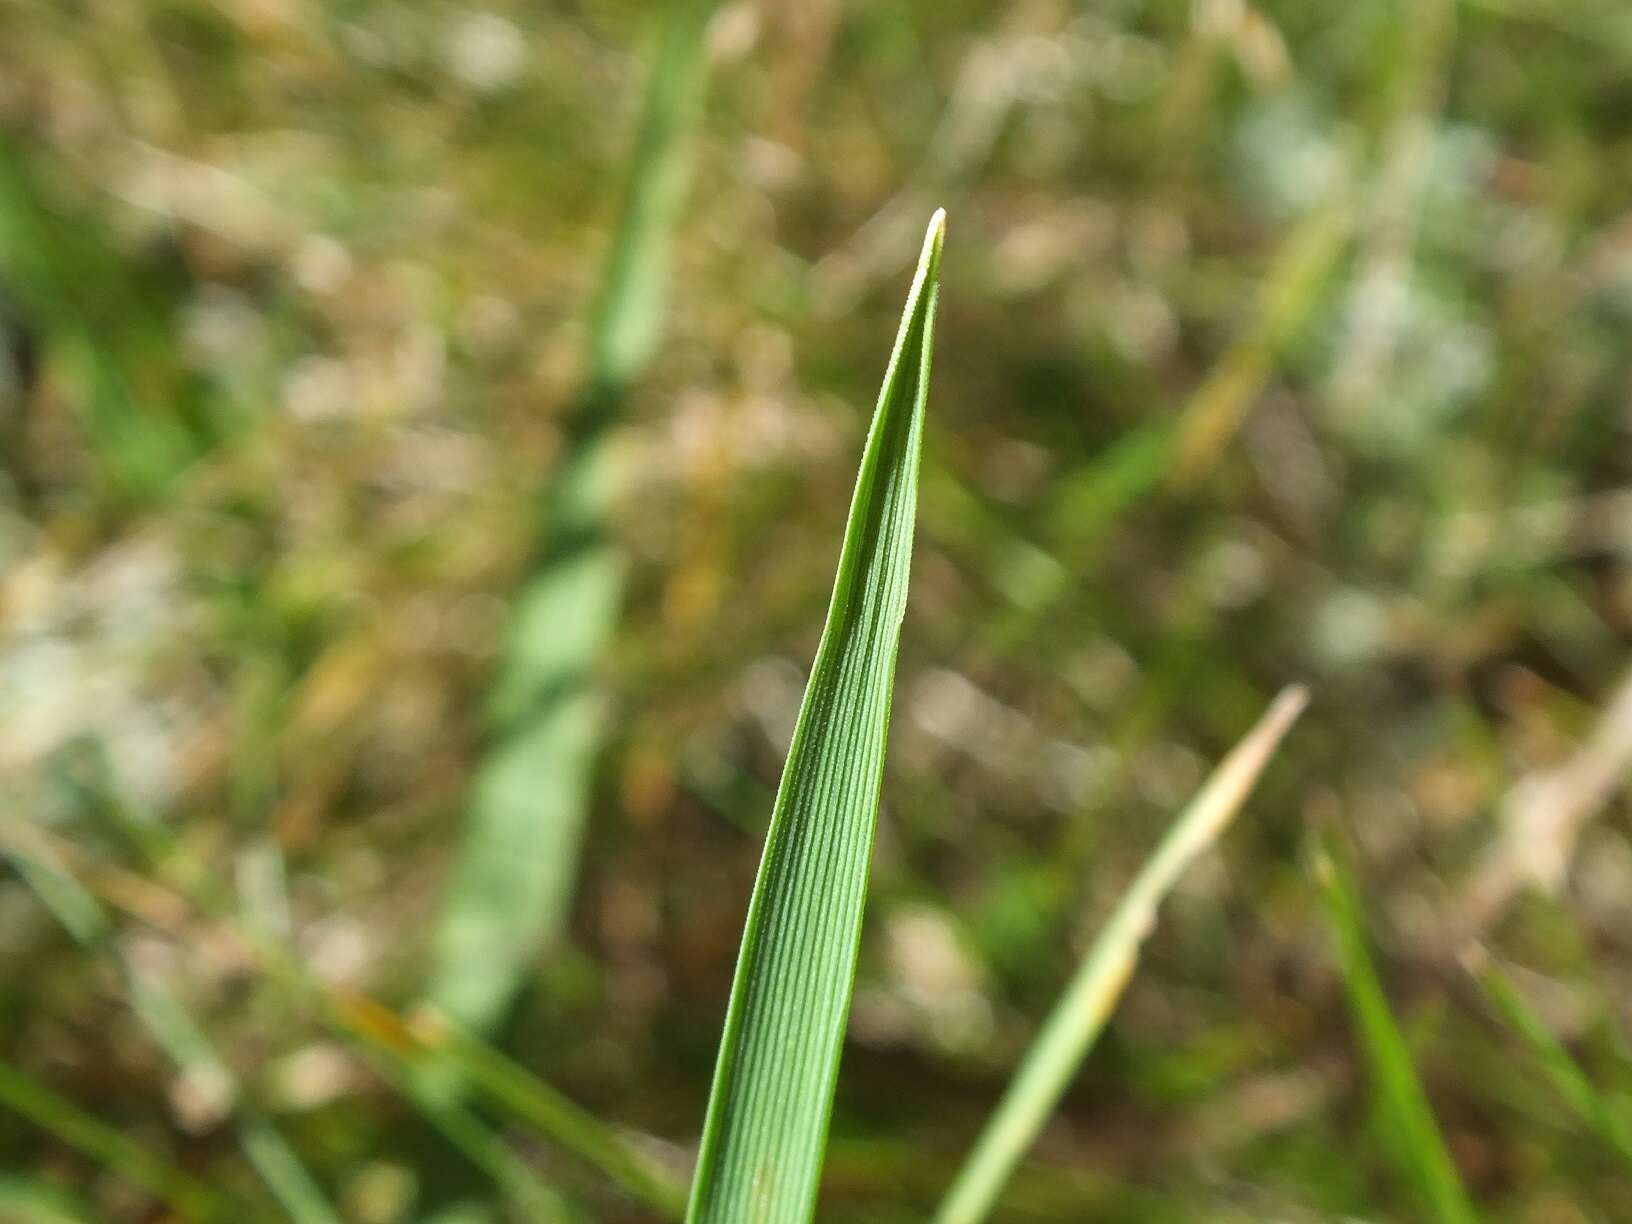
{"x":1086,"y":1005}
{"x":766,"y":1129}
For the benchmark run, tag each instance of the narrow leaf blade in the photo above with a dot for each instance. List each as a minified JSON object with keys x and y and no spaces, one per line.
{"x":27,"y":1097}
{"x":1088,"y":1002}
{"x":1403,"y":1104}
{"x":512,"y":884}
{"x":167,"y":1020}
{"x":1568,"y":1078}
{"x":766,"y":1129}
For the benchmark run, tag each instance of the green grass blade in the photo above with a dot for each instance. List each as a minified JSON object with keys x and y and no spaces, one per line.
{"x":28,"y":1098}
{"x":1179,"y":450}
{"x":175,"y":1031}
{"x":513,"y":879}
{"x":1218,"y":407}
{"x":1567,"y":1076}
{"x":399,"y":1050}
{"x":512,"y":1088}
{"x":628,"y":318}
{"x":26,"y":1200}
{"x":1403,"y":1103}
{"x":535,"y":1200}
{"x":1089,"y":1000}
{"x":424,"y":1041}
{"x":766,"y":1129}
{"x":263,"y":1145}
{"x":393,"y":1051}
{"x":284,"y":1173}
{"x":102,"y":324}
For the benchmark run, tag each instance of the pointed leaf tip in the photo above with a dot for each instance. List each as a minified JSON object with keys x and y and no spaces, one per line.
{"x":766,"y":1128}
{"x":1289,"y":704}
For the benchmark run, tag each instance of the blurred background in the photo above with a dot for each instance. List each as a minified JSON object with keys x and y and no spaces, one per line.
{"x":425,"y":436}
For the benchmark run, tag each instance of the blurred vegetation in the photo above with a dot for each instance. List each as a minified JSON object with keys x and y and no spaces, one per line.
{"x":1278,"y":342}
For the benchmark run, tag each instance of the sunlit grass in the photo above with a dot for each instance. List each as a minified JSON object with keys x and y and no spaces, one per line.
{"x":766,"y":1131}
{"x":1089,"y":1000}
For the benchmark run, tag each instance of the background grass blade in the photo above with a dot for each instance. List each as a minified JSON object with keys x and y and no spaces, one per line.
{"x":102,"y":320}
{"x":1087,"y":1004}
{"x":1403,"y":1105}
{"x":766,"y":1129}
{"x":268,"y":1152}
{"x":1176,"y":451}
{"x":505,"y":1084}
{"x":27,"y":1097}
{"x":1215,"y":412}
{"x":174,"y":1030}
{"x":404,"y":1053}
{"x":389,"y":1047}
{"x":1568,"y":1078}
{"x":534,"y":1199}
{"x":513,"y":879}
{"x":404,"y":1048}
{"x":28,"y":1201}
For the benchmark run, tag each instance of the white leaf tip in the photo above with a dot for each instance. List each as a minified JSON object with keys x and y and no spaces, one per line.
{"x":937,"y":230}
{"x":1289,"y":703}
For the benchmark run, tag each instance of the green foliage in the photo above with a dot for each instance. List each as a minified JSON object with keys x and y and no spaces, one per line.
{"x":514,"y":877}
{"x":419,"y":1060}
{"x":167,"y":1021}
{"x":29,"y":1201}
{"x":22,"y":1094}
{"x":138,"y":404}
{"x":762,"y":1145}
{"x":1568,"y":1078}
{"x":1411,"y":1132}
{"x":1089,"y":1000}
{"x":1288,"y":343}
{"x":556,"y":1117}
